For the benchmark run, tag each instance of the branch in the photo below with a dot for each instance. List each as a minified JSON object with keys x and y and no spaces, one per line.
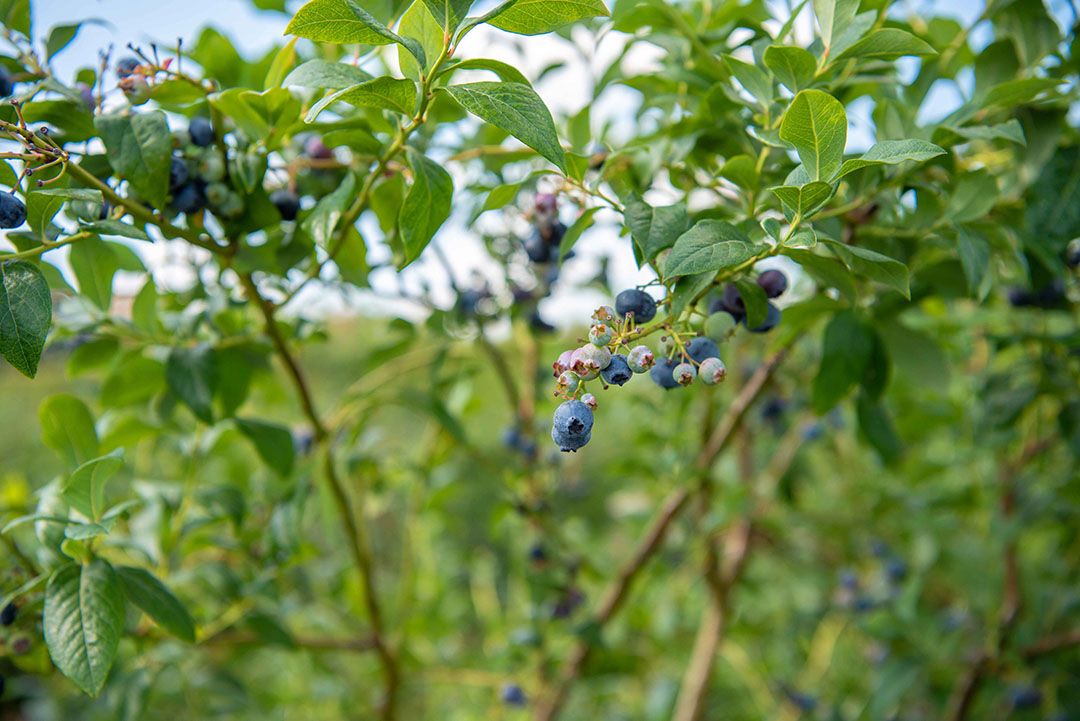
{"x":618,"y":590}
{"x":353,"y":533}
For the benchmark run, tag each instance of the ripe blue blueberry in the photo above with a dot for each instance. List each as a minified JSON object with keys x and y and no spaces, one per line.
{"x":512,"y":695}
{"x":201,"y":131}
{"x":8,"y":614}
{"x":730,"y":302}
{"x":537,"y":250}
{"x":178,"y":173}
{"x":635,"y":301}
{"x":1025,"y":697}
{"x":12,"y":211}
{"x":712,"y":371}
{"x":771,"y":321}
{"x":7,"y":86}
{"x":537,"y":553}
{"x":127,"y":66}
{"x":640,"y":359}
{"x":701,"y":348}
{"x":661,"y":373}
{"x":618,"y":371}
{"x":684,"y":373}
{"x":286,"y":202}
{"x":773,"y":282}
{"x":571,"y":427}
{"x":896,"y":570}
{"x":189,"y":198}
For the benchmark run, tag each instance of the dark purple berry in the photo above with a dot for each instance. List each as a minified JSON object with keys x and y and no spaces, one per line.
{"x":635,"y":301}
{"x":7,"y":86}
{"x":189,"y":198}
{"x":773,"y":282}
{"x":201,"y":132}
{"x":730,"y":302}
{"x":178,"y":173}
{"x":662,"y":373}
{"x":286,"y":203}
{"x":1025,"y":697}
{"x":12,"y":211}
{"x":316,"y":149}
{"x":618,"y":371}
{"x":8,"y":614}
{"x":701,"y":348}
{"x":512,"y":695}
{"x":772,"y":319}
{"x":126,"y":67}
{"x":537,"y":554}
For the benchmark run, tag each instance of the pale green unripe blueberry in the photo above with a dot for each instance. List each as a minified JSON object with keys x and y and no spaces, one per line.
{"x":719,"y":326}
{"x":600,"y":334}
{"x":684,"y":374}
{"x":232,"y":207}
{"x":217,"y":194}
{"x":567,"y":380}
{"x":604,"y":314}
{"x":712,"y":371}
{"x":640,"y":359}
{"x":590,"y":400}
{"x":211,"y":166}
{"x":588,"y":360}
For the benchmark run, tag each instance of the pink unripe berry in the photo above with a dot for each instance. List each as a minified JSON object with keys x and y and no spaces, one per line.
{"x":563,"y":362}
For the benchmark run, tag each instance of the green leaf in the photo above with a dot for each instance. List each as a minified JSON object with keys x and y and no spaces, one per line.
{"x":794,"y":67}
{"x":973,"y":197}
{"x":323,"y":220}
{"x":872,"y":265}
{"x":449,"y":13}
{"x":816,"y":124}
{"x":265,"y":115}
{"x":741,"y":170}
{"x":323,"y":74}
{"x":709,"y":246}
{"x":67,"y":427}
{"x":95,"y":264}
{"x":283,"y":60}
{"x":876,"y":426}
{"x":116,"y":228}
{"x":426,"y":206}
{"x":804,"y":199}
{"x":887,"y":44}
{"x":573,"y":233}
{"x":892,"y":152}
{"x":191,"y":374}
{"x":505,"y":71}
{"x":834,"y":17}
{"x":755,"y":80}
{"x":1010,"y":130}
{"x":385,"y":93}
{"x":25,"y":315}
{"x":974,"y":252}
{"x":518,"y":110}
{"x":536,"y":17}
{"x":84,"y":490}
{"x":139,"y":150}
{"x":83,"y":620}
{"x":156,"y":601}
{"x":654,"y":229}
{"x":420,"y":26}
{"x":845,"y":355}
{"x":1017,"y":92}
{"x":343,"y":21}
{"x":753,"y":297}
{"x":273,"y":443}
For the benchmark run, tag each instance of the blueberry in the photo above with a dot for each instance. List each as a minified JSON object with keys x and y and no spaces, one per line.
{"x":286,"y":202}
{"x":701,"y":348}
{"x":512,"y":695}
{"x":590,"y":400}
{"x":712,"y":371}
{"x":719,"y":326}
{"x":773,"y":282}
{"x":684,"y":373}
{"x":802,"y":701}
{"x":771,"y":321}
{"x":567,"y":380}
{"x":7,"y":86}
{"x":87,"y":94}
{"x":537,"y":250}
{"x":552,"y":234}
{"x":661,"y":373}
{"x":512,"y":437}
{"x":730,"y":302}
{"x":638,"y":302}
{"x":12,"y":211}
{"x":217,"y":194}
{"x":863,"y":604}
{"x":201,"y":132}
{"x":618,"y":371}
{"x":571,"y":426}
{"x":896,"y":570}
{"x":588,"y":360}
{"x":600,"y":334}
{"x":189,"y":198}
{"x":178,"y":173}
{"x":773,"y":409}
{"x":7,"y":615}
{"x":640,"y":359}
{"x":1025,"y":697}
{"x":566,"y":605}
{"x":127,"y":66}
{"x":1019,"y":298}
{"x":812,"y":431}
{"x":315,"y":148}
{"x":849,"y":580}
{"x":537,"y":554}
{"x":211,"y":167}
{"x":562,"y":363}
{"x":879,"y":548}
{"x":604,"y":314}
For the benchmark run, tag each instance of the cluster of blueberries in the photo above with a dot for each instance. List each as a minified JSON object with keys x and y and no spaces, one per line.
{"x":773,"y":282}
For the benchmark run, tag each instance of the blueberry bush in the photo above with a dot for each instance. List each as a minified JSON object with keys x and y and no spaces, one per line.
{"x":820,"y":463}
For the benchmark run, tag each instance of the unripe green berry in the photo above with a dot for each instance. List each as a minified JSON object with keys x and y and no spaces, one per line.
{"x":712,"y":371}
{"x":640,"y":359}
{"x":604,"y":314}
{"x":667,"y":345}
{"x":232,"y":207}
{"x":217,"y":194}
{"x":567,"y":380}
{"x":719,"y":326}
{"x":684,"y":373}
{"x":590,"y":400}
{"x":211,"y":166}
{"x":600,"y":334}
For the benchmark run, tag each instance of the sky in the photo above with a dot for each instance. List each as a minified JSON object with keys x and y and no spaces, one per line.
{"x":253,"y":31}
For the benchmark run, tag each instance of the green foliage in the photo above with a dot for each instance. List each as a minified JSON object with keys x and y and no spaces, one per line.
{"x":872,"y":517}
